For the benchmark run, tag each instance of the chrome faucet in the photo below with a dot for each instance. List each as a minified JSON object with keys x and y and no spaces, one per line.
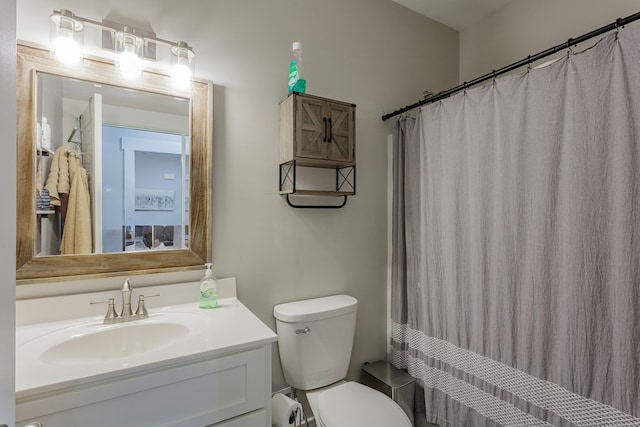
{"x":125,"y":289}
{"x":126,"y":314}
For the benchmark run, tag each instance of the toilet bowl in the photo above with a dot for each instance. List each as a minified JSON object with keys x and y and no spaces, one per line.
{"x":315,"y":338}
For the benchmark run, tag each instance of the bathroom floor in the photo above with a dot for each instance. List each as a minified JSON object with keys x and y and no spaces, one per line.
{"x":420,"y":422}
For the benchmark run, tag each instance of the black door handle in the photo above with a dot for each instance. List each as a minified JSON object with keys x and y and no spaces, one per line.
{"x":324,"y":137}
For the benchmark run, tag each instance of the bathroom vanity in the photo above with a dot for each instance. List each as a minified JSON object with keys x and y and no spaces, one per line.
{"x":181,"y":366}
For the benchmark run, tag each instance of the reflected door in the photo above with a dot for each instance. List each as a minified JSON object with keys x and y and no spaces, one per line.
{"x":145,"y":190}
{"x":91,"y":126}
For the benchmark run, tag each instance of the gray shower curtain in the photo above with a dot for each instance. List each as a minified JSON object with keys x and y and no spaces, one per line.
{"x":516,"y":245}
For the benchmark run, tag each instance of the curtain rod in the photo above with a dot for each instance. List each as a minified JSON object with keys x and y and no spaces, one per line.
{"x":526,"y":61}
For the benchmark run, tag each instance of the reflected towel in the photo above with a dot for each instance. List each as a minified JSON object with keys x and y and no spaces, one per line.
{"x":76,"y":238}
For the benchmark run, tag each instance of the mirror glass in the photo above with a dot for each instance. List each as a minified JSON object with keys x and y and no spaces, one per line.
{"x":133,"y":148}
{"x":107,"y":170}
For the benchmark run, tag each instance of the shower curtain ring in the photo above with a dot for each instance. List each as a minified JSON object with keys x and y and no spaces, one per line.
{"x":569,"y":50}
{"x":617,"y":27}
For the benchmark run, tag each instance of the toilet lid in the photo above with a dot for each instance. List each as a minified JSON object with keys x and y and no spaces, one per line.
{"x":352,"y":404}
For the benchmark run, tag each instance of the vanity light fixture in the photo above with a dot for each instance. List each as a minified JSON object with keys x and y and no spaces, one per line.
{"x":66,"y":37}
{"x":129,"y":52}
{"x":183,"y":64}
{"x":131,"y":46}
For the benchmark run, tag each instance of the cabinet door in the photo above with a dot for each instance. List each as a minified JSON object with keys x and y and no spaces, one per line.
{"x":310,"y":128}
{"x":341,"y":132}
{"x":197,"y":394}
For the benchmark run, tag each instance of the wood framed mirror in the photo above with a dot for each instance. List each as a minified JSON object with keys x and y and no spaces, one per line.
{"x":189,"y":244}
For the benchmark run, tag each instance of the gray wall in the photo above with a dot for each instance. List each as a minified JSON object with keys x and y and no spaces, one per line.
{"x":373,"y":53}
{"x":526,"y":27}
{"x":7,"y":215}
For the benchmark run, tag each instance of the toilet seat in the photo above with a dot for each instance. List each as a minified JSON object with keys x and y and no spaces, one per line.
{"x":352,"y":404}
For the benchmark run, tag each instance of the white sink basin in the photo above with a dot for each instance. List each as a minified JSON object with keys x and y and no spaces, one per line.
{"x":117,"y":342}
{"x":89,"y":342}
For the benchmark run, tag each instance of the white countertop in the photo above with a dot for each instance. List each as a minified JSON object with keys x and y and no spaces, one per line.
{"x":228,"y":329}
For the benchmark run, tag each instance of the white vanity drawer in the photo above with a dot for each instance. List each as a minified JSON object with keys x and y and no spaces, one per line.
{"x":195,"y":394}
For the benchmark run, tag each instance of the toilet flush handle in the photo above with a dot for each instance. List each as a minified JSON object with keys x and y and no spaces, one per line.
{"x":305,"y":331}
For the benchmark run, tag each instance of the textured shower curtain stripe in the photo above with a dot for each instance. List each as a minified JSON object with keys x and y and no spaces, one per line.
{"x":574,"y":408}
{"x":467,"y":394}
{"x":515,"y":297}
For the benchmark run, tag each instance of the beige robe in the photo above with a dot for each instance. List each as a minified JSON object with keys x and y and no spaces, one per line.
{"x":77,"y":237}
{"x":63,"y":167}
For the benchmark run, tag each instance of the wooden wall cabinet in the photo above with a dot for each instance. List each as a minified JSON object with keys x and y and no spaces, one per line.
{"x":319,"y":133}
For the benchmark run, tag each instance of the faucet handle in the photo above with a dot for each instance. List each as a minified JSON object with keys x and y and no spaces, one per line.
{"x":141,"y":311}
{"x":111,"y":311}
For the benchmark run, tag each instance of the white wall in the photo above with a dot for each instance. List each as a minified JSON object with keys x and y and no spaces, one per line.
{"x":526,"y":27}
{"x":373,"y":53}
{"x":7,"y":215}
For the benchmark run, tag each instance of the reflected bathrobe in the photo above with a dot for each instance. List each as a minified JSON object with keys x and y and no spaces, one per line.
{"x":76,"y":238}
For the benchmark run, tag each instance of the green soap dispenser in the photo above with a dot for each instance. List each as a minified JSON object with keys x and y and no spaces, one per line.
{"x":297,"y":80}
{"x":208,"y":289}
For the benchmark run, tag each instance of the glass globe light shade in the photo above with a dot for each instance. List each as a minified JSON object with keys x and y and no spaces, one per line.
{"x":66,"y":37}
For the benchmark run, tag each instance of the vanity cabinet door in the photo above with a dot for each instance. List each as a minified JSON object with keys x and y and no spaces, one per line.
{"x":197,"y":394}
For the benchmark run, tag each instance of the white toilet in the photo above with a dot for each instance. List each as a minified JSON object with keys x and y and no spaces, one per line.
{"x":315,"y":338}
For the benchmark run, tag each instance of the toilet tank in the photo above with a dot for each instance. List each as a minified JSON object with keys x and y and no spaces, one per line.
{"x":315,"y":338}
